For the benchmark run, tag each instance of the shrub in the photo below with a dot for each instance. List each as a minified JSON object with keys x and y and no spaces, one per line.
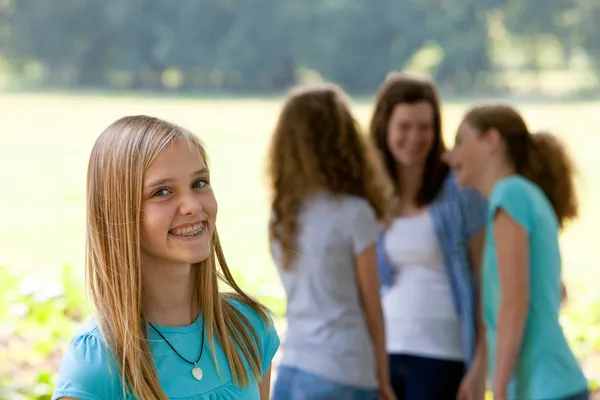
{"x":37,"y":318}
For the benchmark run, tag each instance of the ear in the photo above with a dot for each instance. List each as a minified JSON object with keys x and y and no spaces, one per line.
{"x":493,"y":139}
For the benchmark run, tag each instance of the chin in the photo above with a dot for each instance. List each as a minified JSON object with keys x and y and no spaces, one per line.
{"x":190,"y":255}
{"x":198,"y":256}
{"x":411,"y":162}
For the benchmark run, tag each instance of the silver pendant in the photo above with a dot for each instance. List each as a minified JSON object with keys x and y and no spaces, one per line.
{"x":197,"y":373}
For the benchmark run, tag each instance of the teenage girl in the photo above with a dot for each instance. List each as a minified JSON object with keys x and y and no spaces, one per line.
{"x":326,"y":200}
{"x":527,"y":179}
{"x":161,"y":329}
{"x":429,"y":252}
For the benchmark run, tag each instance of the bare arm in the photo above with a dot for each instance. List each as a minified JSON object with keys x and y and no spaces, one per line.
{"x":264,"y":387}
{"x":477,"y":372}
{"x":368,"y":283}
{"x":512,"y":248}
{"x":475,"y":246}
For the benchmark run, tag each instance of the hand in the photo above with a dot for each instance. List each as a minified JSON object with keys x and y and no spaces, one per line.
{"x":386,"y":392}
{"x":472,"y":386}
{"x":500,"y":394}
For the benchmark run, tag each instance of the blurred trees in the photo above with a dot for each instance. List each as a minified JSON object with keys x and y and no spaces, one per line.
{"x":263,"y":46}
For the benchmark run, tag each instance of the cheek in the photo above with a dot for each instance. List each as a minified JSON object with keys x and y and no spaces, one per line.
{"x":461,"y":158}
{"x":394,"y":137}
{"x":399,"y":143}
{"x":429,"y":138}
{"x":210,"y":205}
{"x":469,"y":159}
{"x":155,"y":219}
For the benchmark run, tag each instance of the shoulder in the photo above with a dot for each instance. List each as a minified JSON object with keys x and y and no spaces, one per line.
{"x":512,"y":186}
{"x":356,"y":205}
{"x":513,"y":190}
{"x":350,"y":209}
{"x":263,"y":325}
{"x":342,"y":202}
{"x":87,"y":368}
{"x":257,"y":316}
{"x":361,"y":223}
{"x":337,"y":205}
{"x":515,"y":196}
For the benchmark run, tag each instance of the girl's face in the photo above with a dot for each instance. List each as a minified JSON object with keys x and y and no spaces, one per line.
{"x":469,"y":156}
{"x":410,"y":133}
{"x":179,"y":208}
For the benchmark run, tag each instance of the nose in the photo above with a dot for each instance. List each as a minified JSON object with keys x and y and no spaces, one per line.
{"x":414,"y":135}
{"x":190,"y":204}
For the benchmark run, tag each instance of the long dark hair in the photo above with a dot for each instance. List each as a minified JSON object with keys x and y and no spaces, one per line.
{"x":402,"y":88}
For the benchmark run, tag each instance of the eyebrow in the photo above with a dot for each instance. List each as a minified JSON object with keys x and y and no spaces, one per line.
{"x":163,"y":181}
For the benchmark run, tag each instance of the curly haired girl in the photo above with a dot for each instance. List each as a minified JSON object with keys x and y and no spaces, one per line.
{"x":326,"y":200}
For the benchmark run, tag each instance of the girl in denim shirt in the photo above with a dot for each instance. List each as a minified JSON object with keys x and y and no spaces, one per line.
{"x":429,"y":254}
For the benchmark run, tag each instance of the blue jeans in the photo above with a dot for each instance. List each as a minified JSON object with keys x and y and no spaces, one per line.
{"x":294,"y":384}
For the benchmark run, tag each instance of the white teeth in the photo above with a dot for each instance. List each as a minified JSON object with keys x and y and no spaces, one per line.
{"x":191,"y":231}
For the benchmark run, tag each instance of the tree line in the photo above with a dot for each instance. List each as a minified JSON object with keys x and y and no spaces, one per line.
{"x":264,"y":46}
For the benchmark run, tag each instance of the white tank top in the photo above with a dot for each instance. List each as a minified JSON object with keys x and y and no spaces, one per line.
{"x":419,"y":312}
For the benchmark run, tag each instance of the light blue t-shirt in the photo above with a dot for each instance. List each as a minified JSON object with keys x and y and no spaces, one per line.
{"x":546,"y":368}
{"x":88,"y":371}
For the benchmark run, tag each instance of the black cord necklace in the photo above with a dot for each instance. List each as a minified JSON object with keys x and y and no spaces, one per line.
{"x":196,"y":371}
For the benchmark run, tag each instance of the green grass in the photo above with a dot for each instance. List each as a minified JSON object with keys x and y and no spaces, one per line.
{"x":46,"y":139}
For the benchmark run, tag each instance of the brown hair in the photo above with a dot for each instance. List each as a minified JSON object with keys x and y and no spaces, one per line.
{"x":116,"y":169}
{"x":539,"y":157}
{"x":402,"y":88}
{"x":316,"y":145}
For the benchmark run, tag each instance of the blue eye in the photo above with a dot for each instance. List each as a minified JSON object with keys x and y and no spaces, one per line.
{"x":200,"y":183}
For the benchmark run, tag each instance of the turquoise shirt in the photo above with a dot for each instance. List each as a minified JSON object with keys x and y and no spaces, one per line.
{"x":546,"y":368}
{"x":88,"y":372}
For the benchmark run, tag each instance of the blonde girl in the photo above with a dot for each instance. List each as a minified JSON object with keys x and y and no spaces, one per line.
{"x":161,"y":327}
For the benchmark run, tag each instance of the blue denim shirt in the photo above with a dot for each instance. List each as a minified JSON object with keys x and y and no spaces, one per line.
{"x":457,"y":215}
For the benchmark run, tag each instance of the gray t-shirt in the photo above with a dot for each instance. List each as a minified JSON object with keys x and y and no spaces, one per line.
{"x":327,"y":332}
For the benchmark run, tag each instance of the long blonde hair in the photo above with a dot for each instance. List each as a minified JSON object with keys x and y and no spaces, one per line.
{"x":116,"y":169}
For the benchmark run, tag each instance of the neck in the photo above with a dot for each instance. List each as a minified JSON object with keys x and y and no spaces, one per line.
{"x":170,"y":295}
{"x":492,"y":177}
{"x":410,"y":182}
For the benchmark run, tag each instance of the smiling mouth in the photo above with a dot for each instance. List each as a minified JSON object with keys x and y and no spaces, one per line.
{"x":193,"y":230}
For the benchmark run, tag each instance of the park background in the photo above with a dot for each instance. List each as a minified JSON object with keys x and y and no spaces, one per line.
{"x":68,"y":68}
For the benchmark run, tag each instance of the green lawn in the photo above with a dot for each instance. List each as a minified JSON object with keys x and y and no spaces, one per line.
{"x":46,"y":139}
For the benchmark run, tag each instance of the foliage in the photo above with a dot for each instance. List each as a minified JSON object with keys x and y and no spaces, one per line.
{"x":36,"y":321}
{"x":262,"y":46}
{"x":38,"y":318}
